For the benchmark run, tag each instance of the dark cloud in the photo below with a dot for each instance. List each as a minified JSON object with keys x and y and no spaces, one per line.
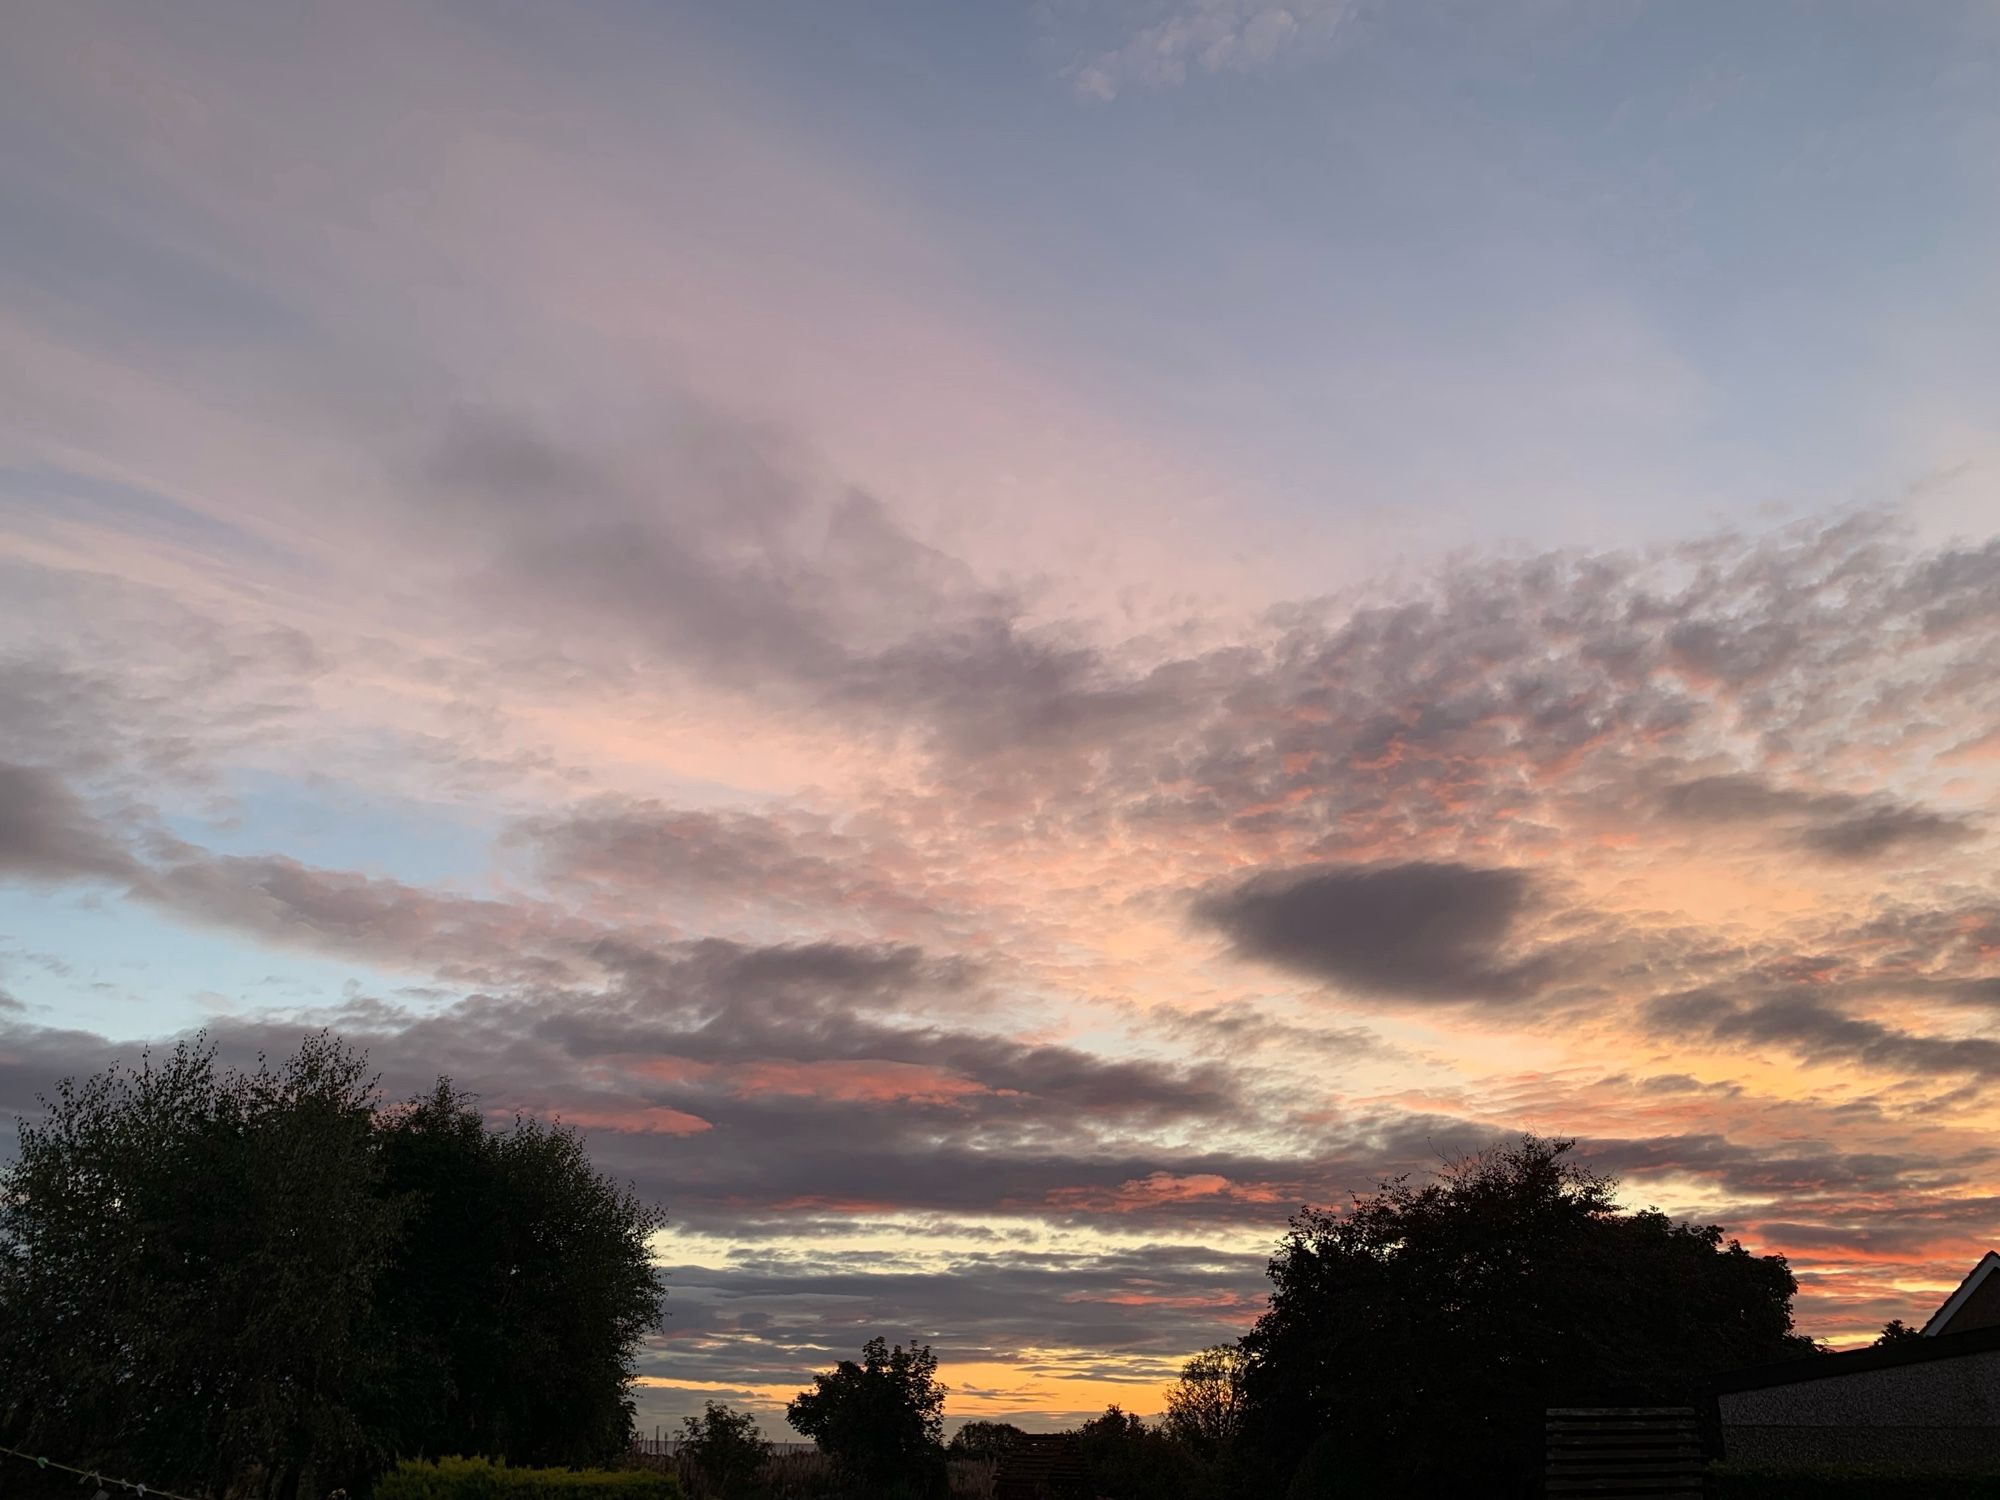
{"x":1432,"y":931}
{"x":1834,"y":824}
{"x":1815,"y":1031}
{"x":1879,"y":830}
{"x":47,"y":834}
{"x":1740,"y":798}
{"x":729,"y":565}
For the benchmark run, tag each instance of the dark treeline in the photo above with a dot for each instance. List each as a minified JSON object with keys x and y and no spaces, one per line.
{"x":1414,"y":1340}
{"x":269,"y":1284}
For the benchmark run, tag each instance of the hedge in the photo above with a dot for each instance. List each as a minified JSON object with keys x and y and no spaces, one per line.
{"x":482,"y":1479}
{"x":1851,"y":1482}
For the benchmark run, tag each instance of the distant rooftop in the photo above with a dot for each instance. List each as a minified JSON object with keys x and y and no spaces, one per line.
{"x":1976,"y":1303}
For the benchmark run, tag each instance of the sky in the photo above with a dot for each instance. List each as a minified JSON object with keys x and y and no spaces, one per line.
{"x":998,"y":643}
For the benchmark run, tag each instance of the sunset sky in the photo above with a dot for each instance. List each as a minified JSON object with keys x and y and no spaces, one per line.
{"x":999,"y":641}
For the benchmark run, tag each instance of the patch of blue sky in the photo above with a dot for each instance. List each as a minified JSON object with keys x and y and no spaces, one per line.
{"x":97,"y":961}
{"x":29,"y":490}
{"x":1600,"y":246}
{"x":123,"y":266}
{"x":341,"y":826}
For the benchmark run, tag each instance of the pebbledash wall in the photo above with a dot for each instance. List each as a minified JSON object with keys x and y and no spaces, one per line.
{"x":1921,"y":1400}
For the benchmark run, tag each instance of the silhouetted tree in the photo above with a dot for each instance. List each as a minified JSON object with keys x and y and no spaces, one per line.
{"x":1425,"y":1329}
{"x":205,"y":1273}
{"x":879,"y":1420}
{"x":1895,"y":1331}
{"x":521,"y":1291}
{"x":726,"y":1449}
{"x":1130,"y":1461}
{"x":1205,"y":1406}
{"x":189,"y":1267}
{"x":983,"y":1440}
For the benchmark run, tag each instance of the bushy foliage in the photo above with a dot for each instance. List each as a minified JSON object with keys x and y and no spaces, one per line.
{"x":1205,"y":1406}
{"x":880,"y":1420}
{"x":189,"y":1268}
{"x":1130,"y":1461}
{"x":208,"y":1274}
{"x":725,"y":1449}
{"x":1895,"y":1331}
{"x":482,"y":1479}
{"x":983,"y":1440}
{"x":1426,"y":1329}
{"x":522,"y":1286}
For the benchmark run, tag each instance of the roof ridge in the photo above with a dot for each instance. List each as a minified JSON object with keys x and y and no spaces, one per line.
{"x":1974,"y":1278}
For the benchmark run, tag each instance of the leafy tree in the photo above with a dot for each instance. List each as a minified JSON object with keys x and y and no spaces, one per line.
{"x":1205,"y":1406}
{"x":1895,"y":1331}
{"x":879,"y":1420}
{"x":726,"y":1449}
{"x":190,"y":1257}
{"x":983,"y":1440}
{"x":208,"y":1274}
{"x":1425,"y":1329}
{"x":1130,"y":1461}
{"x":522,"y":1289}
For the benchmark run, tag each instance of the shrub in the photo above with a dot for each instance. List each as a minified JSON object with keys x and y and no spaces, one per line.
{"x":725,"y":1449}
{"x":1871,"y":1481}
{"x":880,"y":1420}
{"x":983,"y":1440}
{"x":482,"y":1479}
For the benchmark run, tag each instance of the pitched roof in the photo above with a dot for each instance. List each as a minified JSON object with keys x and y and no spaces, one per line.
{"x":1940,"y":1320}
{"x":1859,"y":1361}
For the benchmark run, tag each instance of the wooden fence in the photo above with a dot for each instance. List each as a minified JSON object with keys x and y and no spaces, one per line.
{"x":1617,"y":1451}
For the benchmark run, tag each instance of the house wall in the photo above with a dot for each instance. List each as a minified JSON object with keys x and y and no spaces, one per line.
{"x":1980,"y":1310}
{"x":1944,"y":1411}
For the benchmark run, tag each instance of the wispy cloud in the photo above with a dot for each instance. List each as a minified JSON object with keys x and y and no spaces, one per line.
{"x":1207,"y":37}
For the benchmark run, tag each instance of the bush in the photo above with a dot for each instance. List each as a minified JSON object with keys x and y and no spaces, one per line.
{"x":881,"y":1420}
{"x":983,"y":1440}
{"x":1851,"y":1482}
{"x":482,"y":1479}
{"x":725,"y":1449}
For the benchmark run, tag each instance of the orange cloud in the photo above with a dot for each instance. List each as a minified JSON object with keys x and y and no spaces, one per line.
{"x":651,"y":1120}
{"x":1162,"y":1187}
{"x":870,"y":1082}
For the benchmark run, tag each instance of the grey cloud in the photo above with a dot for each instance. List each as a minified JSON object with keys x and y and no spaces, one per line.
{"x":279,"y":900}
{"x":718,"y":867}
{"x":1834,"y":824}
{"x":1878,"y":830}
{"x":47,"y":834}
{"x":1815,"y":1031}
{"x":1041,"y":1131}
{"x":716,"y":555}
{"x":1428,"y":930}
{"x":1733,"y":653}
{"x":1740,"y":798}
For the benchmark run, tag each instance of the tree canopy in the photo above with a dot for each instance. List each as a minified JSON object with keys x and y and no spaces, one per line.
{"x":984,"y":1440}
{"x":881,"y":1419}
{"x":726,"y":1448}
{"x":1426,"y":1328}
{"x":1205,"y":1406}
{"x":218,"y":1278}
